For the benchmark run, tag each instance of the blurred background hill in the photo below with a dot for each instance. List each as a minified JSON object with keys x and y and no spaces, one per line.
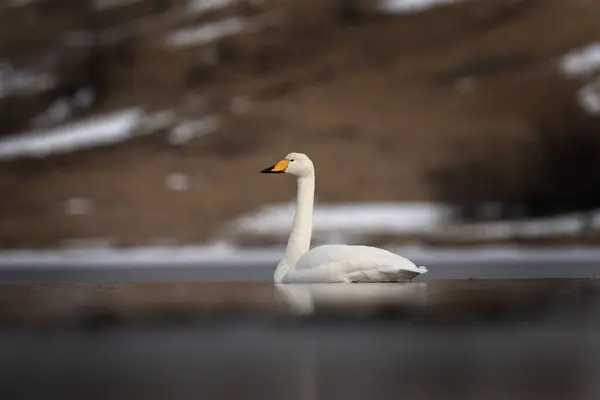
{"x":133,"y":122}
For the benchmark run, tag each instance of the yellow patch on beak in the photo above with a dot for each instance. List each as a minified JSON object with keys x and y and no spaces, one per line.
{"x":280,"y":166}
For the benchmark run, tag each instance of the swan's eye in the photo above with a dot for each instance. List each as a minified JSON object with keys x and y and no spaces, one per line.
{"x":292,"y":160}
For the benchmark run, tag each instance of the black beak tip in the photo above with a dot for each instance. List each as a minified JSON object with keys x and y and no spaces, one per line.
{"x":270,"y":170}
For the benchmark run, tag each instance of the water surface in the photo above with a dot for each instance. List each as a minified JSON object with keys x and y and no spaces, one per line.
{"x":450,"y":339}
{"x":478,"y":330}
{"x":90,"y":273}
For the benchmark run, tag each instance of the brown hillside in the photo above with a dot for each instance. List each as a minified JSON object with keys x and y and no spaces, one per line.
{"x":373,"y":100}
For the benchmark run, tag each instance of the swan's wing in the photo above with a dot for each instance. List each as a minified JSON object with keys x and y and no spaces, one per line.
{"x":357,"y":259}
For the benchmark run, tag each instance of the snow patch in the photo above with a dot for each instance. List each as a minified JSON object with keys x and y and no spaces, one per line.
{"x":367,"y":218}
{"x":92,"y":132}
{"x":567,"y":225}
{"x":157,"y":121}
{"x":178,"y":182}
{"x":14,"y":81}
{"x":202,"y":6}
{"x":77,"y":206}
{"x":581,"y":61}
{"x":338,"y":223}
{"x":205,"y":33}
{"x":63,"y":108}
{"x":224,"y":255}
{"x":412,"y":6}
{"x":57,"y":112}
{"x":588,"y":97}
{"x":213,"y":254}
{"x":188,"y":130}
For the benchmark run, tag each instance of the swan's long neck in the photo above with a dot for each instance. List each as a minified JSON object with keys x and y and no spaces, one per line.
{"x":299,"y":241}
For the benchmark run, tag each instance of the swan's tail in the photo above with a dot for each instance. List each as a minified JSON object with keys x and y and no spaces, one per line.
{"x":422,"y":269}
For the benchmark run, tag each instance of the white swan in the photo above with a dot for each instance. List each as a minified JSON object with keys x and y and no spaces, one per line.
{"x":330,"y":263}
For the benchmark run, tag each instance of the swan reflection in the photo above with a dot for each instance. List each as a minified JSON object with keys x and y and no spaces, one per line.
{"x":306,"y":298}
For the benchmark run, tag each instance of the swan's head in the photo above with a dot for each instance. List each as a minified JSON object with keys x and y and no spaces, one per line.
{"x":297,"y":164}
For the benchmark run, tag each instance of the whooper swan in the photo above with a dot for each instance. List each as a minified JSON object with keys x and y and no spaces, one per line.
{"x":330,"y":263}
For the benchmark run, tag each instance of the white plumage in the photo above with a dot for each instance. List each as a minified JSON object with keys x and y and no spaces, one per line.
{"x":342,"y":263}
{"x":330,"y":263}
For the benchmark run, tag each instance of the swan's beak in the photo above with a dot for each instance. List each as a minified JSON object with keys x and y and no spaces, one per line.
{"x":277,"y":168}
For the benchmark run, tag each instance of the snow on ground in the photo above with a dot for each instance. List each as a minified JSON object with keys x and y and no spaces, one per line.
{"x":158,"y":120}
{"x":223,"y":254}
{"x":99,"y":130}
{"x":21,"y":81}
{"x":412,"y":6}
{"x":588,"y":97}
{"x":201,"y":6}
{"x":146,"y":256}
{"x":584,"y":61}
{"x":187,"y":130}
{"x":581,"y":61}
{"x":172,"y":17}
{"x":364,"y":218}
{"x":78,"y":206}
{"x":63,"y":108}
{"x":92,"y":132}
{"x":205,"y":33}
{"x":177,"y":182}
{"x":561,"y":225}
{"x":60,"y":110}
{"x":344,"y":221}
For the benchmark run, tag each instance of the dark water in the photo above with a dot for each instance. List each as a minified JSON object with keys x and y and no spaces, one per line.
{"x":377,"y":361}
{"x":436,"y":339}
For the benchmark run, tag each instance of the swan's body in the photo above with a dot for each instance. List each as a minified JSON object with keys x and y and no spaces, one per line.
{"x":343,"y":263}
{"x":330,"y":263}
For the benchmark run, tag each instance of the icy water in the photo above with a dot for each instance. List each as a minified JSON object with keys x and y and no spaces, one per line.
{"x":160,"y":335}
